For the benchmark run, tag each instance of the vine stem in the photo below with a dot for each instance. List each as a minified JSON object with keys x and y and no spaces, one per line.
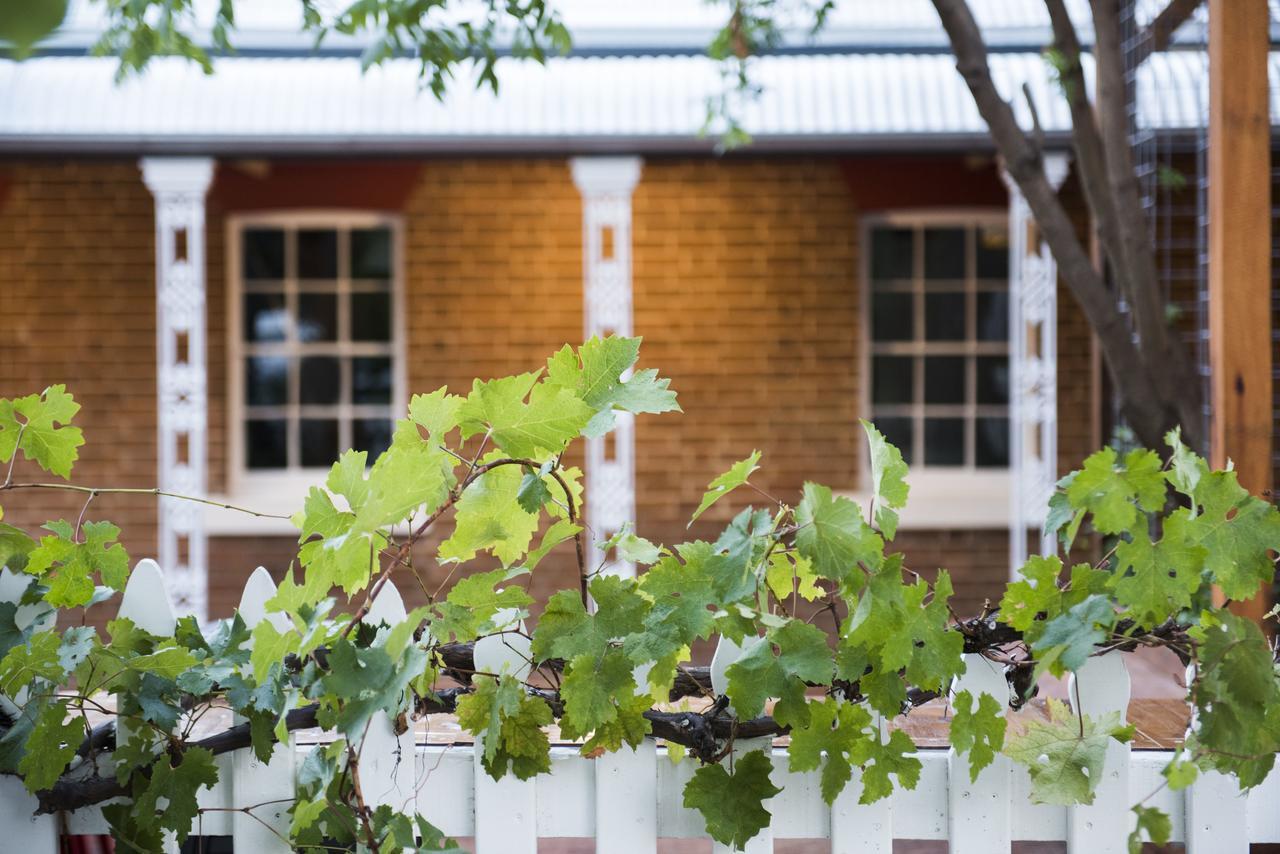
{"x":95,"y":491}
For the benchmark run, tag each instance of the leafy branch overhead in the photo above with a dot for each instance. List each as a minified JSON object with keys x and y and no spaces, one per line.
{"x":836,"y":634}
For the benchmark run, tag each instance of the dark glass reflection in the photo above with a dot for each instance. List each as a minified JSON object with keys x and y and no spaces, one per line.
{"x":317,"y":254}
{"x":318,"y":438}
{"x":265,"y":317}
{"x":371,"y":316}
{"x":892,"y":251}
{"x":992,"y":252}
{"x":993,"y":379}
{"x":944,"y":379}
{"x":266,"y":380}
{"x":371,"y":253}
{"x":944,"y":253}
{"x":993,"y":315}
{"x":892,"y":379}
{"x":262,"y":253}
{"x":892,"y":317}
{"x":991,"y":442}
{"x":944,"y":316}
{"x":371,"y":380}
{"x":320,"y":380}
{"x":372,"y":435}
{"x":266,"y":443}
{"x":317,"y":317}
{"x":944,"y":441}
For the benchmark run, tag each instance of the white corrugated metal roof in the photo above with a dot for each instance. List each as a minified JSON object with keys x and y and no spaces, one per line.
{"x":574,"y":103}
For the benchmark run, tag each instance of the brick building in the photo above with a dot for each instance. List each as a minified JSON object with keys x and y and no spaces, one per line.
{"x":239,"y":275}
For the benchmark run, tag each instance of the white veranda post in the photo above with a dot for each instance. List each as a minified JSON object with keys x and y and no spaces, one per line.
{"x":1033,"y":371}
{"x":606,"y":184}
{"x":179,"y":185}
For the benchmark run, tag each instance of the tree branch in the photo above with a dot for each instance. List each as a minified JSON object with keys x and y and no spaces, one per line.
{"x":1158,"y":34}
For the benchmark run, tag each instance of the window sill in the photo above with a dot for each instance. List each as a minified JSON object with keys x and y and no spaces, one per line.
{"x":282,"y":495}
{"x":960,"y":500}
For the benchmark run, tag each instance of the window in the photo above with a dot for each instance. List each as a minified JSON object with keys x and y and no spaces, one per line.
{"x":939,"y":339}
{"x":314,"y":339}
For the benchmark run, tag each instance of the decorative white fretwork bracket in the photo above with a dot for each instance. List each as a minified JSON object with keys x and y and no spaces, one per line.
{"x":606,"y":185}
{"x":1033,"y":371}
{"x":179,"y":185}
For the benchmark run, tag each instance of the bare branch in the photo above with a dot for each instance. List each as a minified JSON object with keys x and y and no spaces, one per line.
{"x":1158,"y":34}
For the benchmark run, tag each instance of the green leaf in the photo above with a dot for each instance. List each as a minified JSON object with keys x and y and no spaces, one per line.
{"x":68,"y":567}
{"x":544,"y":424}
{"x":30,"y":424}
{"x":1037,"y":593}
{"x":888,"y":483}
{"x":474,"y":601}
{"x":38,"y":659}
{"x":437,"y":412}
{"x":737,"y":475}
{"x":595,"y":374}
{"x":792,"y":573}
{"x":801,"y":656}
{"x":1237,"y":530}
{"x":880,"y":759}
{"x":732,"y":804}
{"x":566,"y":630}
{"x":15,"y":545}
{"x":1114,"y":493}
{"x":507,"y":725}
{"x":834,"y":536}
{"x":597,"y":691}
{"x":533,"y":492}
{"x":977,"y":729}
{"x":1152,"y":823}
{"x":632,"y":548}
{"x":178,"y":785}
{"x":489,"y":517}
{"x":1154,"y":581}
{"x":681,"y":596}
{"x":50,"y":746}
{"x":1069,"y":639}
{"x":560,"y":530}
{"x":834,"y":734}
{"x":1065,"y":754}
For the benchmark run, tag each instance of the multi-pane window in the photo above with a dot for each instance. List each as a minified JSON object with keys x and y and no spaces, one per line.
{"x":939,"y":339}
{"x":317,"y":341}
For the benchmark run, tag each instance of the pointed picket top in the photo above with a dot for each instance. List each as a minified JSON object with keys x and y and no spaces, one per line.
{"x":505,"y":652}
{"x":388,"y":607}
{"x":146,"y":601}
{"x":12,"y":586}
{"x":727,"y":652}
{"x":258,"y":590}
{"x":983,"y":676}
{"x":1101,"y":686}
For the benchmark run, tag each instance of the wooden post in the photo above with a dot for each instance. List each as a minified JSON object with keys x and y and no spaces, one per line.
{"x":1240,"y":244}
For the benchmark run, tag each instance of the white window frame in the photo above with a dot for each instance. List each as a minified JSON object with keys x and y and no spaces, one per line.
{"x":283,"y":490}
{"x":967,"y":496}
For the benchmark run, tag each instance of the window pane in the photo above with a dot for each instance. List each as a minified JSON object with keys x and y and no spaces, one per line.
{"x":992,"y":258}
{"x":318,"y":254}
{"x":944,"y":441}
{"x":320,"y":380}
{"x":891,"y":253}
{"x":263,"y":253}
{"x":266,"y":444}
{"x":371,"y":253}
{"x":993,"y":379}
{"x":264,"y":317}
{"x":266,"y":381}
{"x":371,"y":317}
{"x":892,"y":379}
{"x":892,"y":317}
{"x":944,"y":253}
{"x":317,"y":317}
{"x":319,"y":441}
{"x":371,"y":380}
{"x":899,"y":432}
{"x":991,"y":442}
{"x":944,"y":379}
{"x":372,"y":435}
{"x":944,"y":317}
{"x":993,"y":316}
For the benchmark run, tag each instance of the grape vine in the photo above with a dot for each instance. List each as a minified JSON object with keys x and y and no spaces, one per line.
{"x":837,"y":633}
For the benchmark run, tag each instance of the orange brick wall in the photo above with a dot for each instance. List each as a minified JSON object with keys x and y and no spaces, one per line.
{"x":746,"y":291}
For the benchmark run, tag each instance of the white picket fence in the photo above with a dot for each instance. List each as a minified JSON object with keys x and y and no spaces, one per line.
{"x":628,"y":801}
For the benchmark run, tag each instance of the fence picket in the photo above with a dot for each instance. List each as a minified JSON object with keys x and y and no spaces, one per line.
{"x":268,"y":784}
{"x":861,"y":828}
{"x":1100,"y":687}
{"x":979,"y":813}
{"x":506,"y":813}
{"x":727,"y":652}
{"x":21,"y":828}
{"x":1217,"y":816}
{"x":387,"y":757}
{"x":146,"y":603}
{"x":627,"y":800}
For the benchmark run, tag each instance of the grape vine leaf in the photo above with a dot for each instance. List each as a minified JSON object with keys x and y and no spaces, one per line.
{"x":833,"y":535}
{"x":467,"y":612}
{"x":50,"y":746}
{"x":548,"y":421}
{"x":682,"y":597}
{"x":597,"y":690}
{"x":1113,"y":493}
{"x":631,"y":547}
{"x":507,"y":725}
{"x":1237,"y":530}
{"x":31,"y":424}
{"x":880,"y":759}
{"x":737,"y":475}
{"x":1036,"y":593}
{"x":732,"y":804}
{"x":488,"y":517}
{"x":792,"y":573}
{"x":178,"y":785}
{"x":437,"y":412}
{"x":1065,"y":754}
{"x":833,"y":735}
{"x":802,"y":656}
{"x":977,"y":729}
{"x":68,"y":566}
{"x":1070,"y":638}
{"x":1156,"y":580}
{"x":566,"y":630}
{"x":1152,"y":822}
{"x":888,"y":473}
